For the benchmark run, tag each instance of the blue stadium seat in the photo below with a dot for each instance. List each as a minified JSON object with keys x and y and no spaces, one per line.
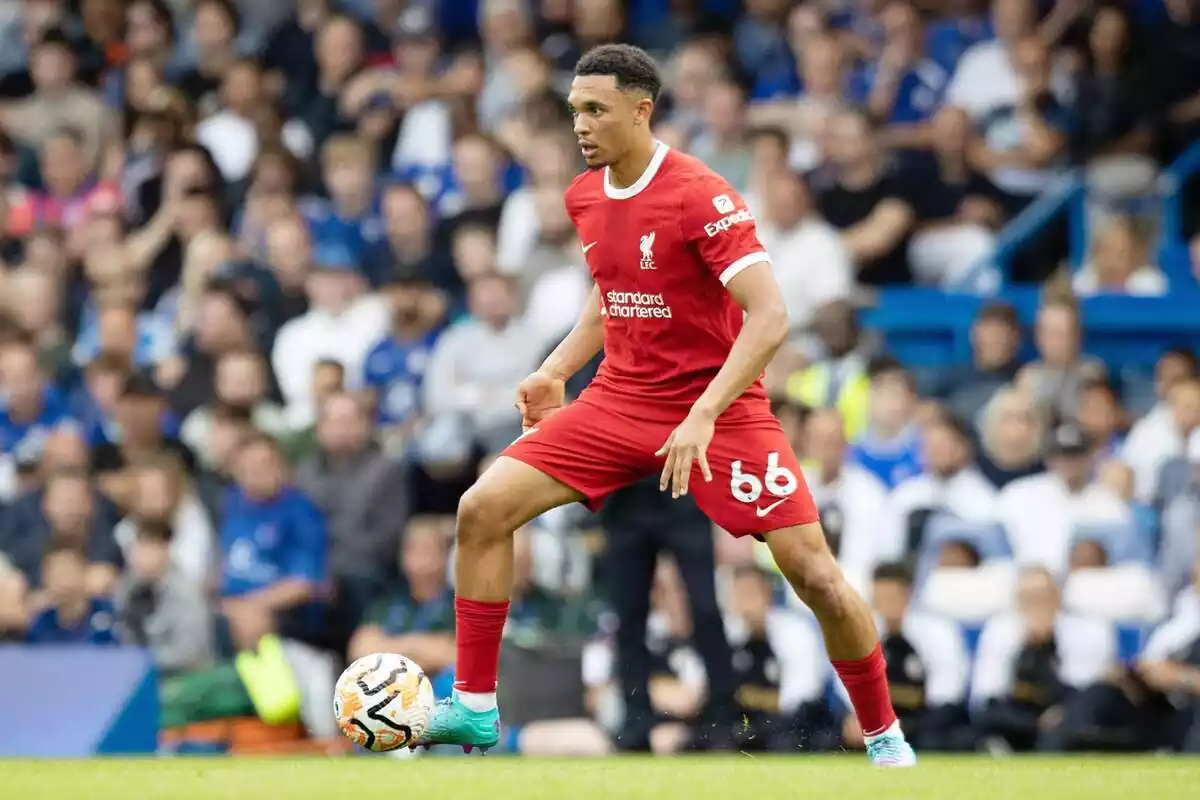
{"x":1123,"y":543}
{"x":930,"y":328}
{"x":989,"y":540}
{"x":1130,"y":597}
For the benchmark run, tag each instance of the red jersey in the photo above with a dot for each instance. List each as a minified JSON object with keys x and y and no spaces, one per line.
{"x":661,"y":252}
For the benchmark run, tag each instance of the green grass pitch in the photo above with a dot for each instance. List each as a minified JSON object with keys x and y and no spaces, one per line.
{"x":739,"y":777}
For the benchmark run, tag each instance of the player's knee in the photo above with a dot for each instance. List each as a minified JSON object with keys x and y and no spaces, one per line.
{"x":482,"y":513}
{"x":813,"y":573}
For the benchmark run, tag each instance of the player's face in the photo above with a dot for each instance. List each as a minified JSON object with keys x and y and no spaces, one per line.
{"x":605,"y":117}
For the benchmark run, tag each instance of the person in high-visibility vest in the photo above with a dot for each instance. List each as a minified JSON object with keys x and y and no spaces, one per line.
{"x":840,"y":379}
{"x":842,"y":385}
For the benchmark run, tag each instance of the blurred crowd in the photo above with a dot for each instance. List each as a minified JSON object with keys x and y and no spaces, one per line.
{"x":270,"y":272}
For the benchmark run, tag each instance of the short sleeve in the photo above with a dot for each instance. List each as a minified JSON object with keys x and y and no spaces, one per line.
{"x":718,"y":223}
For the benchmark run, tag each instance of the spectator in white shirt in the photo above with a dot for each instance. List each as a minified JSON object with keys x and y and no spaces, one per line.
{"x":476,"y":365}
{"x":1162,"y":435}
{"x":850,"y":498}
{"x":1041,"y":513}
{"x":810,"y":261}
{"x":555,"y":275}
{"x":1031,"y":664}
{"x":948,"y":483}
{"x":162,"y":495}
{"x":550,"y":166}
{"x":342,"y":324}
{"x":986,"y":78}
{"x":927,"y":665}
{"x":1118,"y":264}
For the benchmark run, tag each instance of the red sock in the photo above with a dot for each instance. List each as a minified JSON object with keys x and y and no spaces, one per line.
{"x":866,"y":683}
{"x":479,"y":627}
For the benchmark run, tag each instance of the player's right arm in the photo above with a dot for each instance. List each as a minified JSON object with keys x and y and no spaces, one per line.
{"x":581,"y":344}
{"x":543,"y":392}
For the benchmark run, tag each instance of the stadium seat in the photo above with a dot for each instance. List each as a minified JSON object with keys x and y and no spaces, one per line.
{"x":1123,"y":543}
{"x":969,"y":596}
{"x":1131,"y":597}
{"x":1127,"y":594}
{"x":988,"y":539}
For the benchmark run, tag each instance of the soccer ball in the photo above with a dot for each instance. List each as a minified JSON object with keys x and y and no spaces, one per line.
{"x":383,"y":702}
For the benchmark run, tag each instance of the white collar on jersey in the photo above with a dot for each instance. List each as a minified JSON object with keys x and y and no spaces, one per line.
{"x":615,"y":193}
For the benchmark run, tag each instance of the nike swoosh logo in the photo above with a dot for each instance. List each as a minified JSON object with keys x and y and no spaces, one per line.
{"x":587,"y":247}
{"x":762,"y":512}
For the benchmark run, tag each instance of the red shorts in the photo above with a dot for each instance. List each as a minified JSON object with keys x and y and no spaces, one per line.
{"x":595,"y":449}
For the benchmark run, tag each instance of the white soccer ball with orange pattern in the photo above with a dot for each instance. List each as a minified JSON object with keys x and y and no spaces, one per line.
{"x":383,"y":702}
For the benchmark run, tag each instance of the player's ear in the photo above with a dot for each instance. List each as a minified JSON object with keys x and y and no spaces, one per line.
{"x":644,"y":111}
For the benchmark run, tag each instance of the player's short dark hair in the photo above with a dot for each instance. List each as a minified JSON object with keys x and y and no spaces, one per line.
{"x":894,"y":571}
{"x":632,"y":67}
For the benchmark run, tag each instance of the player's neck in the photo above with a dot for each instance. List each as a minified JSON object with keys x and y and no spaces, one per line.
{"x":625,"y":171}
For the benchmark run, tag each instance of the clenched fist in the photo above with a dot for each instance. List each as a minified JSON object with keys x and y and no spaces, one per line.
{"x":539,"y":396}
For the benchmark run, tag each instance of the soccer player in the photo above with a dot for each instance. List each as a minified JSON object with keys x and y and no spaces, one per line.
{"x":688,"y":313}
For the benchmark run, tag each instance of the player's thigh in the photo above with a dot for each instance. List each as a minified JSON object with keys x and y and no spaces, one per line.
{"x":581,"y":453}
{"x":757,"y":484}
{"x":510,"y":493}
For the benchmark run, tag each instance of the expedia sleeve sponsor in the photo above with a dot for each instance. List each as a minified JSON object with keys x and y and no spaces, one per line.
{"x":727,"y":222}
{"x":636,"y":305}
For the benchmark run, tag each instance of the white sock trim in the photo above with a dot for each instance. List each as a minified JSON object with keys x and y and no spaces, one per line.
{"x":890,"y":730}
{"x":476,"y":701}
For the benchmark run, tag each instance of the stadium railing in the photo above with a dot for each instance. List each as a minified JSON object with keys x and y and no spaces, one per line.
{"x":1069,"y":195}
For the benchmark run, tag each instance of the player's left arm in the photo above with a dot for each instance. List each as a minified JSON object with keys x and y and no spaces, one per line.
{"x":764,"y":330}
{"x":721,"y":228}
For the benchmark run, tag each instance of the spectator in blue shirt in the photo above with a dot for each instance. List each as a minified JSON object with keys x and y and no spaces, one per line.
{"x":903,"y":88}
{"x":395,"y":367}
{"x":273,"y":551}
{"x":116,"y":326}
{"x":891,"y":446}
{"x":94,"y":401}
{"x":31,"y":407}
{"x":349,"y":218}
{"x":946,"y":39}
{"x":72,"y":615}
{"x":407,"y":245}
{"x":67,"y":509}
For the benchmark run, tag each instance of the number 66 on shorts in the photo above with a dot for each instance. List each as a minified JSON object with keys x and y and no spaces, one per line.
{"x":757,"y":484}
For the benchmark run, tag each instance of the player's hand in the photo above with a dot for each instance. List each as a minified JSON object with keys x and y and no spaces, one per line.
{"x":687,"y":444}
{"x":539,"y":396}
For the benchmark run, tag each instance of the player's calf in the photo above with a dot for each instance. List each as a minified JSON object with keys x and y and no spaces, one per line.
{"x":851,"y":640}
